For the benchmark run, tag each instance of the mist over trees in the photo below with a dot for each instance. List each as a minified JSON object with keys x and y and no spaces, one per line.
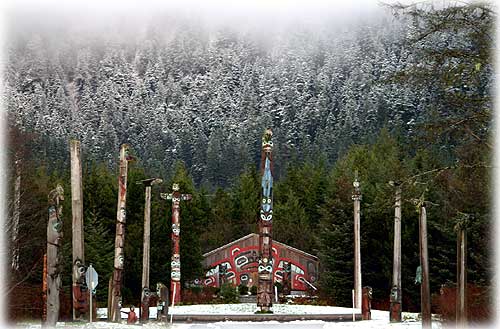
{"x":404,"y":95}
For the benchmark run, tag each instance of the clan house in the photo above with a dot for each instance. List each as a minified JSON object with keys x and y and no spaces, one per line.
{"x":236,"y":262}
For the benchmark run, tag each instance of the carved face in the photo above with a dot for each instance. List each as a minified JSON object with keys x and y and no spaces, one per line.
{"x":266,"y":216}
{"x":267,"y":143}
{"x":119,"y":261}
{"x":176,"y":229}
{"x":123,"y":215}
{"x":175,"y":262}
{"x":175,"y":265}
{"x":79,"y":271}
{"x":175,"y":275}
{"x":265,"y":268}
{"x":146,"y":292}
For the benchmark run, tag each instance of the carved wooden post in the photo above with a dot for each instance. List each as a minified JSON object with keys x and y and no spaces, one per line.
{"x":461,"y":306}
{"x":54,"y":236}
{"x":366,"y":304}
{"x":114,"y":313}
{"x":396,"y":297}
{"x":16,"y":214}
{"x":425,"y":293}
{"x":77,"y":229}
{"x":44,"y":289}
{"x":356,"y":197}
{"x":146,"y":293}
{"x":175,"y":272}
{"x":266,"y":262}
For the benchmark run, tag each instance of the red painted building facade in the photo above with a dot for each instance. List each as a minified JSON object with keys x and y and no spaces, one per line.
{"x":237,"y":262}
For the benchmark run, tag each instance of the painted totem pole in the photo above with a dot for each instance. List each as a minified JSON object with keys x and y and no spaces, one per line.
{"x":54,"y":237}
{"x":266,"y":263}
{"x":175,"y":274}
{"x":114,"y":311}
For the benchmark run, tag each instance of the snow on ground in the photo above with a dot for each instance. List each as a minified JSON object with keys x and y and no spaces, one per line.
{"x":380,"y":319}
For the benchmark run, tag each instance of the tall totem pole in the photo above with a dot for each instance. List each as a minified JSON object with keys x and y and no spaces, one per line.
{"x":356,"y":197}
{"x":266,"y":263}
{"x":175,"y":273}
{"x":146,"y":293}
{"x":54,"y":236}
{"x":114,"y":311}
{"x":79,"y":288}
{"x":396,"y":297}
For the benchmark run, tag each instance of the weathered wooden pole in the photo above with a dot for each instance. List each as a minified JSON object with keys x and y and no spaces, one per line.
{"x":425,"y":293}
{"x":461,"y":306}
{"x":145,"y":294}
{"x":44,"y":289}
{"x":396,"y":297}
{"x":54,"y":236}
{"x":121,"y":215}
{"x":175,"y":272}
{"x":16,"y":214}
{"x":266,"y":262}
{"x":356,"y":197}
{"x":77,"y":222}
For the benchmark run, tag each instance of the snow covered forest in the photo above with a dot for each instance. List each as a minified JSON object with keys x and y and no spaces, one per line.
{"x":179,"y":89}
{"x":392,"y":93}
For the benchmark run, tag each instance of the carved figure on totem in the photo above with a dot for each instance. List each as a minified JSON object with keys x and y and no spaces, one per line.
{"x":146,"y":293}
{"x":176,"y":229}
{"x":80,"y":289}
{"x":265,"y":269}
{"x":162,"y":307}
{"x":54,"y":237}
{"x":366,"y":303}
{"x":264,"y":298}
{"x":175,"y":265}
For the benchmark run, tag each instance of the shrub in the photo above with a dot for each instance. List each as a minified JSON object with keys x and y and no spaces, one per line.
{"x":243,"y":289}
{"x":228,"y":293}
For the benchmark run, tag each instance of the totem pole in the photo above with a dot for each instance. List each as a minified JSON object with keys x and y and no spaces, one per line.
{"x":461,"y":306}
{"x":425,"y":292}
{"x":287,"y":278}
{"x":175,"y":274}
{"x":162,"y":306}
{"x":366,"y":303}
{"x":146,"y":293}
{"x":114,"y":311}
{"x":16,"y":214}
{"x":396,"y":297}
{"x":79,"y":288}
{"x":266,"y":263}
{"x":222,"y":274}
{"x":54,"y":237}
{"x":44,"y":289}
{"x":356,"y":197}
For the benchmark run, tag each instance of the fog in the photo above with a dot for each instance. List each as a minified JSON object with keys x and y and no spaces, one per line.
{"x":133,"y":18}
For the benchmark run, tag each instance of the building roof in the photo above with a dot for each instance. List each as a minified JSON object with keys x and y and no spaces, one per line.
{"x":251,"y":235}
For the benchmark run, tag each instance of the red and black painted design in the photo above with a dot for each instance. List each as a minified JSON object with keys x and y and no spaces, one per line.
{"x":242,"y":268}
